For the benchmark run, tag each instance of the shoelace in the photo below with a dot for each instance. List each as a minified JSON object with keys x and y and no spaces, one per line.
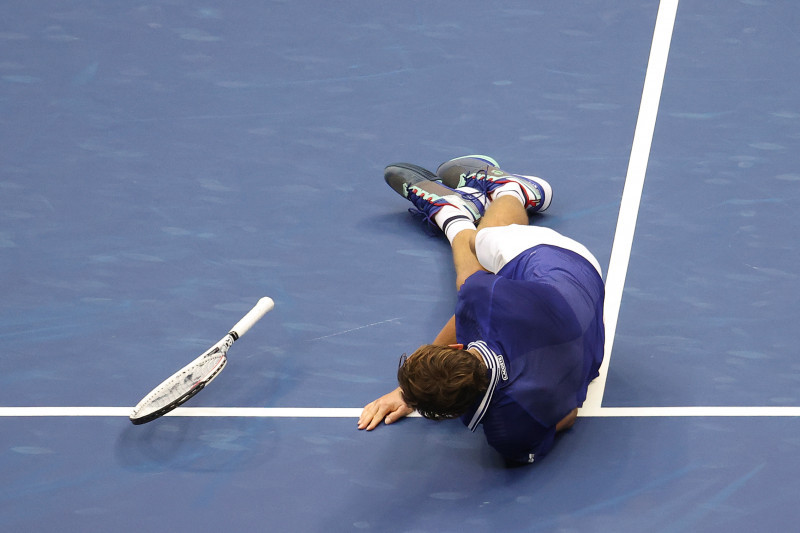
{"x":431,"y":227}
{"x":482,"y":184}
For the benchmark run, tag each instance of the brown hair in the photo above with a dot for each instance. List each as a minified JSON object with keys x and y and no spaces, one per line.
{"x":441,"y":382}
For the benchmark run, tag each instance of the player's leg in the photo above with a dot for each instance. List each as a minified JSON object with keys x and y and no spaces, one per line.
{"x":504,"y":211}
{"x":512,"y":197}
{"x":456,"y":211}
{"x":464,"y":259}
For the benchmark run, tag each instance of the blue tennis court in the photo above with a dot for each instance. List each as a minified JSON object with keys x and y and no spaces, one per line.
{"x":166,"y":165}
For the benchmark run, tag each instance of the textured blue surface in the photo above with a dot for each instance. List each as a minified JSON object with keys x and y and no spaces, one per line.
{"x":709,"y":313}
{"x":657,"y":474}
{"x":165,"y":165}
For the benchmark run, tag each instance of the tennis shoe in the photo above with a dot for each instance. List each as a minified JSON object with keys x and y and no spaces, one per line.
{"x":454,"y":173}
{"x":429,"y":196}
{"x":482,"y":173}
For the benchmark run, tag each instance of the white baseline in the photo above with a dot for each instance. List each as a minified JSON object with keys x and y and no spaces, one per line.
{"x":354,"y":412}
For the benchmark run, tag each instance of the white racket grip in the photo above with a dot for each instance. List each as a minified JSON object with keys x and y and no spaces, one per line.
{"x":263,"y":307}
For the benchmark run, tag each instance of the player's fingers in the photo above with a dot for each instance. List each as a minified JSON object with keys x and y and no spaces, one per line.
{"x":377,"y":418}
{"x":366,"y":414}
{"x":371,"y":416}
{"x":392,"y":416}
{"x":399,"y":412}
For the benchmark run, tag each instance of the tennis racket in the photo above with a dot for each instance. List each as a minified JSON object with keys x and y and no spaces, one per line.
{"x":191,"y":379}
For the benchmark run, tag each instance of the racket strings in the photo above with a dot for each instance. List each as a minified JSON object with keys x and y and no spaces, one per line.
{"x":184,"y":382}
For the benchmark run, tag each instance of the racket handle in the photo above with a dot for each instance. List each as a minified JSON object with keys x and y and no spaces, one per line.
{"x":263,"y":307}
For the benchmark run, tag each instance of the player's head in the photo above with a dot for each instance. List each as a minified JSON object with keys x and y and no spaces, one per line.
{"x":441,"y":382}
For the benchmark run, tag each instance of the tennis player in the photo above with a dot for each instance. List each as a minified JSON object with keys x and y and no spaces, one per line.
{"x":527,"y":334}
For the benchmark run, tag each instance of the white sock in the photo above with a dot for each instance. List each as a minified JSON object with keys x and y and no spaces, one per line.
{"x":452,"y":221}
{"x":509,"y":189}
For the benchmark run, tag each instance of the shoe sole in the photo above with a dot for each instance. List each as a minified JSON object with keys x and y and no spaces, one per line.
{"x":453,"y":179}
{"x":401,"y":176}
{"x":484,"y":158}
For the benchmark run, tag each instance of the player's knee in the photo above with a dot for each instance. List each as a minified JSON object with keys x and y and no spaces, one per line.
{"x":568,"y":421}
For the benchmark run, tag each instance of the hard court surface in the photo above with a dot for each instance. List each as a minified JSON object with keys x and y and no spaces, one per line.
{"x":164,"y":165}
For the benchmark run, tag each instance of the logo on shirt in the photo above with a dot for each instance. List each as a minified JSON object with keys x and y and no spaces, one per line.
{"x":502,"y":365}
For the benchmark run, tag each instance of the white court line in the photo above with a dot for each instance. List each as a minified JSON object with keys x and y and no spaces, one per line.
{"x":242,"y":412}
{"x":255,"y":412}
{"x":683,"y":412}
{"x":347,"y":412}
{"x":634,"y":183}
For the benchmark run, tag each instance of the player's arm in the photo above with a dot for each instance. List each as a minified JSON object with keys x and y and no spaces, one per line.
{"x":447,"y":335}
{"x":389,"y":408}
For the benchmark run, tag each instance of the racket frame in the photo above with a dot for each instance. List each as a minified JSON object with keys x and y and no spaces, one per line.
{"x":220,"y":348}
{"x":263,"y":306}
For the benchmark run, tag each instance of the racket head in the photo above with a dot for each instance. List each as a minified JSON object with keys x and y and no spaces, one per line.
{"x":183,"y":384}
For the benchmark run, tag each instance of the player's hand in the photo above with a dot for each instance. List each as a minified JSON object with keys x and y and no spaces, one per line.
{"x":389,"y":408}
